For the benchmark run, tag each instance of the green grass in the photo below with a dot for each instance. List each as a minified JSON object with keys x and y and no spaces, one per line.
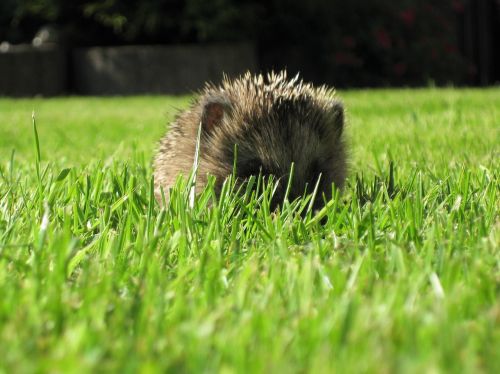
{"x":401,"y":273}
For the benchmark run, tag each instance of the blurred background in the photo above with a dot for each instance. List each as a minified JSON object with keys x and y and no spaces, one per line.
{"x":120,"y":47}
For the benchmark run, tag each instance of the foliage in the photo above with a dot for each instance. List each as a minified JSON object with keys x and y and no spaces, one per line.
{"x":378,"y":42}
{"x":369,"y":42}
{"x":399,"y":273}
{"x":128,"y":21}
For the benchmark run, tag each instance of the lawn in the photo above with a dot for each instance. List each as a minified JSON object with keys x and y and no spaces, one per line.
{"x":399,"y":273}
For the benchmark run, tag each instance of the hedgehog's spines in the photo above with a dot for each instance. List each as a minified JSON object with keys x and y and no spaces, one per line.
{"x":274,"y":120}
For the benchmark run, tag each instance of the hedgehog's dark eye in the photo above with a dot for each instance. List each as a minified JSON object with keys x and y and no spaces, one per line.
{"x":314,"y":170}
{"x":249,"y":168}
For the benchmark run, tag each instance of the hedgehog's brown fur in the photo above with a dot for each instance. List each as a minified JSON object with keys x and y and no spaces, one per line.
{"x":274,"y":121}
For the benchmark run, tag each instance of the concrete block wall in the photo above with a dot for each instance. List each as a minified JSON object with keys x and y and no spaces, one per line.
{"x":29,"y":71}
{"x":157,"y":69}
{"x":128,"y":70}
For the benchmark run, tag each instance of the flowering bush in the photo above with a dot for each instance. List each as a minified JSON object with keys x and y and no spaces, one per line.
{"x":375,"y":42}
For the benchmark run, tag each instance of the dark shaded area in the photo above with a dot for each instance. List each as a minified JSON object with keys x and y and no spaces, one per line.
{"x":345,"y":43}
{"x":479,"y":37}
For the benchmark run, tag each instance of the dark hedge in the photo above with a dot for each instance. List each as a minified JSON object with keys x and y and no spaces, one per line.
{"x":354,"y":42}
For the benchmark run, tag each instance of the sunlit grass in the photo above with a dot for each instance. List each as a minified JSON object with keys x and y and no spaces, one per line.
{"x":400,"y":272}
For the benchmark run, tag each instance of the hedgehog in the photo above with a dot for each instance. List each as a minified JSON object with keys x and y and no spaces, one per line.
{"x":258,"y":124}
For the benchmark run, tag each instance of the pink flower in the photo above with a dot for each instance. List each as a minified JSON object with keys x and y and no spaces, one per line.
{"x":450,"y":48}
{"x":399,"y":68}
{"x":346,"y":58}
{"x":458,"y":6}
{"x":408,"y":17}
{"x":434,"y":53}
{"x":383,"y":38}
{"x":349,"y":41}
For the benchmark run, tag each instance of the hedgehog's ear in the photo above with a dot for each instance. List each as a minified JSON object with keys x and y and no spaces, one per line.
{"x":336,"y":111}
{"x":214,"y":108}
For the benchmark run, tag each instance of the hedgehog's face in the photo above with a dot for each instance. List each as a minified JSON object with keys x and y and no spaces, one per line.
{"x":305,"y":133}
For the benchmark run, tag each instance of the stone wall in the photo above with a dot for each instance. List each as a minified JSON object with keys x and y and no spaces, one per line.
{"x":29,"y":71}
{"x":127,"y":70}
{"x":156,"y":69}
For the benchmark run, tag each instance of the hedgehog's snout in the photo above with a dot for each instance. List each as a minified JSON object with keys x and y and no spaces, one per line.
{"x":295,"y":187}
{"x":294,"y":192}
